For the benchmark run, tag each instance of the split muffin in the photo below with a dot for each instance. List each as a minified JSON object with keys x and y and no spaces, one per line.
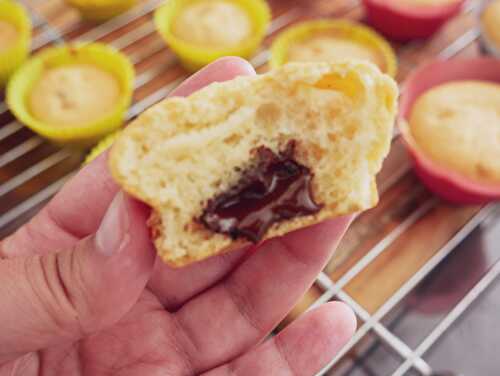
{"x":256,"y":157}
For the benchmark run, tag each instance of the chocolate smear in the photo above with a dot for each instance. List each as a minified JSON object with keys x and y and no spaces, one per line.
{"x":274,"y":189}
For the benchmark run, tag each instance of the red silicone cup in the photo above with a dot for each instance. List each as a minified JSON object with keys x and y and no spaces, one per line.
{"x":449,"y":185}
{"x":403,"y":22}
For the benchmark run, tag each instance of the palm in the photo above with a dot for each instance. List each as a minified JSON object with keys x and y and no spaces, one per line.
{"x":140,"y":344}
{"x":124,"y":316}
{"x":118,"y":350}
{"x":137,"y":345}
{"x":177,"y":330}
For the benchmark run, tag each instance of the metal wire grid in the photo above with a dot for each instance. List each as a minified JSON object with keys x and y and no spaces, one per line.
{"x":412,"y":359}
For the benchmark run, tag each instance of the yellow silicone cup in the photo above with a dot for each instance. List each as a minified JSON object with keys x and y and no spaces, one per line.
{"x":102,"y":146}
{"x":101,"y":10}
{"x":97,"y":54}
{"x":348,"y":29}
{"x":13,"y":57}
{"x":194,"y":57}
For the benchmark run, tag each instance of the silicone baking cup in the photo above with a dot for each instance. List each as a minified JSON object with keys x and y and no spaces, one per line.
{"x":101,"y":10}
{"x":97,"y":54}
{"x":448,"y":184}
{"x":13,"y":57}
{"x":194,"y":57}
{"x":346,"y":29}
{"x":402,"y":22}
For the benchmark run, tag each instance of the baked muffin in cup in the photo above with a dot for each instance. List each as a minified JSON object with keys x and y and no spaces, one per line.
{"x":403,"y":20}
{"x":15,"y":38}
{"x":330,"y":41}
{"x":74,"y":94}
{"x":450,"y":123}
{"x":201,"y":31}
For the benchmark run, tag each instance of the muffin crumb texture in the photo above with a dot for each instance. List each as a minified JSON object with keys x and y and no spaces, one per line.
{"x":184,"y":152}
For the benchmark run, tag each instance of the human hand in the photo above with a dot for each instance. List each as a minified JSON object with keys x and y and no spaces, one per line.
{"x":82,"y":292}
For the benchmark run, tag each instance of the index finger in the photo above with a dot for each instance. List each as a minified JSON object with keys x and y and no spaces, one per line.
{"x":77,"y":210}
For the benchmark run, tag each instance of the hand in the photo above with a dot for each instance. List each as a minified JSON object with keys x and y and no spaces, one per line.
{"x":82,"y":292}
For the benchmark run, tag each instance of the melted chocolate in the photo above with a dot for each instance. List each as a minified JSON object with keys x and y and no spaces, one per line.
{"x":275,"y":189}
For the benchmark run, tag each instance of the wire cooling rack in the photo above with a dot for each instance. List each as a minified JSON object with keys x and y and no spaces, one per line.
{"x":386,"y":254}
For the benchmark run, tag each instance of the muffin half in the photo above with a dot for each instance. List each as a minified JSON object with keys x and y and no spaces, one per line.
{"x":257,"y":157}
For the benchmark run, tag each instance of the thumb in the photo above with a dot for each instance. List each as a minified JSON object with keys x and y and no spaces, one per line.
{"x":64,"y":296}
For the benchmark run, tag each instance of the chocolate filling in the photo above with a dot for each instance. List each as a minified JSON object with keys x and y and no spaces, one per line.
{"x":276,"y":188}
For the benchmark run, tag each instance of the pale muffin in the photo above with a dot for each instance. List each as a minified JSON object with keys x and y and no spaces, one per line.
{"x":183,"y":153}
{"x":213,"y":23}
{"x":73,"y":95}
{"x":457,"y":125}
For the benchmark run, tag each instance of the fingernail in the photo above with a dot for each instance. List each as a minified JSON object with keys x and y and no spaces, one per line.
{"x":112,"y":233}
